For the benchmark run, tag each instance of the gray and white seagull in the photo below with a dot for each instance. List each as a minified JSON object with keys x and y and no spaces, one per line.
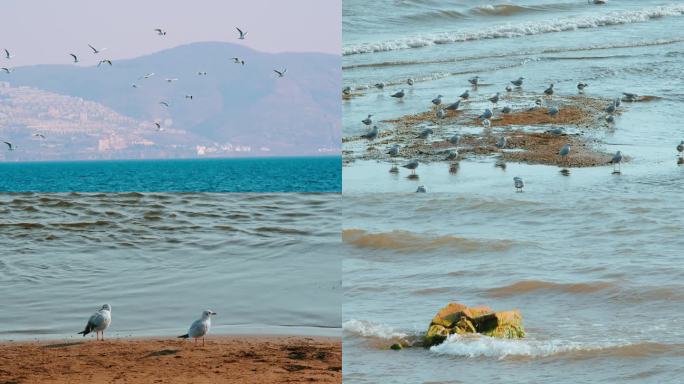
{"x":200,"y":327}
{"x":98,"y":322}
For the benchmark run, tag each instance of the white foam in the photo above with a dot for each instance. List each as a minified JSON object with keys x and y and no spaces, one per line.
{"x":369,"y":329}
{"x":516,"y":30}
{"x":484,"y":346}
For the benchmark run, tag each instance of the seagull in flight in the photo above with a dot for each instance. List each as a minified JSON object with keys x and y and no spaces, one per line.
{"x":75,"y":58}
{"x":171,"y":80}
{"x":10,"y":146}
{"x":242,"y":34}
{"x":8,"y":70}
{"x":99,"y":321}
{"x":147,"y":76}
{"x":188,"y":97}
{"x":160,"y":32}
{"x":202,"y":73}
{"x":164,"y":103}
{"x":134,"y":85}
{"x":158,"y":125}
{"x":280,"y":73}
{"x":38,"y":135}
{"x":7,"y":55}
{"x":105,"y":61}
{"x":95,"y":50}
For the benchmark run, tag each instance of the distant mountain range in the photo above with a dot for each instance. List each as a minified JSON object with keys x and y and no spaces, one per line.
{"x":235,"y":109}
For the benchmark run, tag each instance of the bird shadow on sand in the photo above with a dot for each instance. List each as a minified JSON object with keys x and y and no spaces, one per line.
{"x":163,"y":352}
{"x":63,"y":345}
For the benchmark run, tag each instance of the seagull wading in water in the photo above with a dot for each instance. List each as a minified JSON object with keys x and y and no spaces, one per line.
{"x":199,"y":327}
{"x":98,"y":322}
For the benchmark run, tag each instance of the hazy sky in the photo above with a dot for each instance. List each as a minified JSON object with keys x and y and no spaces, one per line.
{"x":42,"y":31}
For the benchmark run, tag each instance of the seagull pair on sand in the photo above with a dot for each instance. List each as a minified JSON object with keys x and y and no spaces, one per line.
{"x":102,"y":319}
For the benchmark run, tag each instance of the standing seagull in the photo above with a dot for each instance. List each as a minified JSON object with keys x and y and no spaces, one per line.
{"x":495,"y":99}
{"x":549,"y":90}
{"x":581,"y":86}
{"x":399,"y":94}
{"x":98,"y":322}
{"x":160,"y":32}
{"x":465,"y":95}
{"x":553,"y":111}
{"x":453,"y":106}
{"x":501,"y":143}
{"x":242,"y":34}
{"x":487,"y":114}
{"x":409,"y":81}
{"x":680,"y":148}
{"x":474,"y":80}
{"x":518,"y":183}
{"x":412,"y":165}
{"x":10,"y":146}
{"x":519,"y":82}
{"x":372,"y":134}
{"x":564,"y":152}
{"x":368,"y":121}
{"x":616,"y":160}
{"x":75,"y":58}
{"x":280,"y":73}
{"x":437,"y":100}
{"x":199,"y":327}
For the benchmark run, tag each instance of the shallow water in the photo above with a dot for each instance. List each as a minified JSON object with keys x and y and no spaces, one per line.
{"x":266,"y":263}
{"x":624,"y":46}
{"x":280,"y":174}
{"x":591,"y":259}
{"x":597,"y":277}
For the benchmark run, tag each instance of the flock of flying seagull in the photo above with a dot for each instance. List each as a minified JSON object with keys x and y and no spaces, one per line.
{"x":97,"y":51}
{"x":100,"y":321}
{"x":452,"y":154}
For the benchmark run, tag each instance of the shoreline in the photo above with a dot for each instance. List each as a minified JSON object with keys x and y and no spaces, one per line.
{"x":224,"y":358}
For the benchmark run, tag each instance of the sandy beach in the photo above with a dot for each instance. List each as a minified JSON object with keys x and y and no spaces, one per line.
{"x":224,"y":359}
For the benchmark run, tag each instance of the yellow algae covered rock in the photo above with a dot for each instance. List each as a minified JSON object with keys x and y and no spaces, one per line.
{"x":457,"y":318}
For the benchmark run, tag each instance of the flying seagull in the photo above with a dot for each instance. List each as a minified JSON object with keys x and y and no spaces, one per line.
{"x":10,"y":146}
{"x":158,"y":125}
{"x":280,"y":73}
{"x":7,"y":55}
{"x":98,"y":322}
{"x":188,"y":97}
{"x":199,"y":327}
{"x":171,"y":80}
{"x":38,"y":135}
{"x":164,"y":103}
{"x":105,"y":61}
{"x":8,"y":70}
{"x":160,"y":32}
{"x":75,"y":58}
{"x":95,"y":50}
{"x":202,"y":73}
{"x":242,"y":34}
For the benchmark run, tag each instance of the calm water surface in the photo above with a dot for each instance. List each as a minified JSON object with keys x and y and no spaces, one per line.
{"x":266,"y":263}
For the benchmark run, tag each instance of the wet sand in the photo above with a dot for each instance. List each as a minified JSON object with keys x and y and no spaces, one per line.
{"x":234,"y":359}
{"x":581,"y":117}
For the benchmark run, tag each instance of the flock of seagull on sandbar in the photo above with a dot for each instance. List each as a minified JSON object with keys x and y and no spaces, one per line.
{"x":102,"y":319}
{"x":242,"y":35}
{"x":486,"y":116}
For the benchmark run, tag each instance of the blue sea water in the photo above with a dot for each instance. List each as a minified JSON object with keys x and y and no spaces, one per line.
{"x":292,"y":174}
